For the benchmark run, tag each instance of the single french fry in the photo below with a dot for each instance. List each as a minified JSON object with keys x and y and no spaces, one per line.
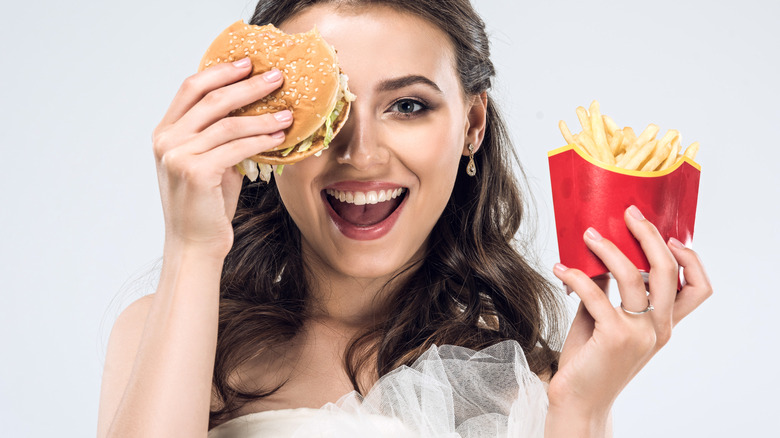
{"x":659,"y":155}
{"x":672,"y":158}
{"x":648,"y":134}
{"x":587,"y":143}
{"x":628,"y":137}
{"x":634,"y":162}
{"x":582,"y":115}
{"x":668,"y":138}
{"x":566,"y":133}
{"x":692,"y":150}
{"x":633,"y":149}
{"x":610,"y":125}
{"x":615,"y":141}
{"x":599,"y":134}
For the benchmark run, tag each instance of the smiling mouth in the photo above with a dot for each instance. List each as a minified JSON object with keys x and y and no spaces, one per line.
{"x":364,"y":209}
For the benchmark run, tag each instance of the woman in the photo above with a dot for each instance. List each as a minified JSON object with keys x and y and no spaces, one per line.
{"x":280,"y":296}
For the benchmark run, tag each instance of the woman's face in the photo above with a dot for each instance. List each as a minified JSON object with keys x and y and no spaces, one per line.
{"x":404,"y":138}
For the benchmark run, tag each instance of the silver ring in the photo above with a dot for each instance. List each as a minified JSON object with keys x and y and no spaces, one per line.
{"x":649,"y":308}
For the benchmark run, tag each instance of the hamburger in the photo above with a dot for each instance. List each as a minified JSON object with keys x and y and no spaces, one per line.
{"x":314,"y":89}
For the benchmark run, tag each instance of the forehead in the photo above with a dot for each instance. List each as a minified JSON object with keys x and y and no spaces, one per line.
{"x":378,"y":42}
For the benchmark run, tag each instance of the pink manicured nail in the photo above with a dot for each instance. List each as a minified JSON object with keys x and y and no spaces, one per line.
{"x":283,"y":116}
{"x":241,"y":63}
{"x":633,"y":211}
{"x":592,"y":234}
{"x":278,"y":134}
{"x":272,"y":75}
{"x":560,"y":267}
{"x":676,"y":243}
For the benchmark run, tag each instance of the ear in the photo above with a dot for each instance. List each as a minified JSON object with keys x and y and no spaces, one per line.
{"x":476,"y":121}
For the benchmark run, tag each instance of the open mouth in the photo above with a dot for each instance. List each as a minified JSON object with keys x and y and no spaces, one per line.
{"x":365,"y":209}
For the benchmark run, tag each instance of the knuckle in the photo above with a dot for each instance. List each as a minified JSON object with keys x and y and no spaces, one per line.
{"x":230,"y":125}
{"x":667,"y":268}
{"x":171,"y":160}
{"x":160,"y":144}
{"x":214,"y":98}
{"x":635,"y":280}
{"x":647,"y":341}
{"x":191,"y":84}
{"x":191,"y":173}
{"x":663,"y":335}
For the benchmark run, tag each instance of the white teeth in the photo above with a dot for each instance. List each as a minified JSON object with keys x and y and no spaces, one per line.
{"x":362,"y":198}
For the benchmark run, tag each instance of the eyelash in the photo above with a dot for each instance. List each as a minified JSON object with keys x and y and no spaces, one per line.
{"x":424,"y":107}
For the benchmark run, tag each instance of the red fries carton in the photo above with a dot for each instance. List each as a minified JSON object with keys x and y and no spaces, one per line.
{"x":588,"y":193}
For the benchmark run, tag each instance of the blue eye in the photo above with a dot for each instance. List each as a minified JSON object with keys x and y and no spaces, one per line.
{"x":408,"y":107}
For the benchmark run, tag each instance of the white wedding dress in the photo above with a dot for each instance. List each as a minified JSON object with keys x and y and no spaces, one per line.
{"x":448,"y":392}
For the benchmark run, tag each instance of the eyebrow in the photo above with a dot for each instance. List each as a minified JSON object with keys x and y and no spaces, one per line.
{"x":405,"y":81}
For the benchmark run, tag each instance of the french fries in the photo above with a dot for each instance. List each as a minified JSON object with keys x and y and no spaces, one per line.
{"x":605,"y":141}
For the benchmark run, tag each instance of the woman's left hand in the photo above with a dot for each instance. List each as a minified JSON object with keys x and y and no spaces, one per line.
{"x":606,"y":346}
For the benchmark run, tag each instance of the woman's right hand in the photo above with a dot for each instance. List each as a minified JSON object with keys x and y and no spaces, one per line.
{"x":196,"y":147}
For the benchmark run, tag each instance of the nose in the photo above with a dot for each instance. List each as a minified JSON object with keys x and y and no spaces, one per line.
{"x":358,"y":144}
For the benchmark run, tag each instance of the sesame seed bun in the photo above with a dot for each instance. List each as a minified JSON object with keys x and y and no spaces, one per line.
{"x":310,"y":89}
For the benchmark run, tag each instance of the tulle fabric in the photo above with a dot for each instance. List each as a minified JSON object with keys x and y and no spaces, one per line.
{"x":448,"y":392}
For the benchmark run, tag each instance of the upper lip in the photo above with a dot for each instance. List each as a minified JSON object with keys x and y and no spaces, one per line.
{"x":363,"y":186}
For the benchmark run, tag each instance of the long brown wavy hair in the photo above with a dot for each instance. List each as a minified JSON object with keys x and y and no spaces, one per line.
{"x":472,"y":288}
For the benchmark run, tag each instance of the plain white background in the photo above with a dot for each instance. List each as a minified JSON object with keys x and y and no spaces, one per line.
{"x":83,"y":84}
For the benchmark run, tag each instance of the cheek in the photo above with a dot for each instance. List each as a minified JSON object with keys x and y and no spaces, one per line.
{"x":295,"y":189}
{"x":432,"y":151}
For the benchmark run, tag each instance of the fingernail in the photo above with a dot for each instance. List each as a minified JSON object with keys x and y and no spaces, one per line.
{"x":241,"y":63}
{"x":272,"y":75}
{"x":560,"y":267}
{"x":633,"y":211}
{"x":592,"y":234}
{"x":283,"y":116}
{"x":676,"y":243}
{"x":278,"y":134}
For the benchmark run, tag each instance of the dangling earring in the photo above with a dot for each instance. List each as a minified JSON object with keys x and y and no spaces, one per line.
{"x":471,"y":168}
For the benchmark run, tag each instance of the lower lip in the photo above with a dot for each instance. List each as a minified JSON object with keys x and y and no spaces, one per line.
{"x":370,"y":232}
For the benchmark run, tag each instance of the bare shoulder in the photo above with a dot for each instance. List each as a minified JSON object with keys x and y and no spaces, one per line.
{"x":120,"y":356}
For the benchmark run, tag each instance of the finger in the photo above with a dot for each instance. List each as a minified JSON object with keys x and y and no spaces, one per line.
{"x":631,"y":285}
{"x":581,"y":329}
{"x":232,"y":128}
{"x":231,"y":189}
{"x":233,"y":152}
{"x":198,"y":85}
{"x":220,"y":102}
{"x":664,"y":270}
{"x":697,"y":285}
{"x":594,"y":299}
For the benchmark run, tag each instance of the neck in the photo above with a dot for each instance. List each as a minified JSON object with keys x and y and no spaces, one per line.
{"x":346,"y":300}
